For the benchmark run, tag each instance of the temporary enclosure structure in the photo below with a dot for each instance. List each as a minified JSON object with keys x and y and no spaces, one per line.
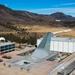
{"x":61,"y":44}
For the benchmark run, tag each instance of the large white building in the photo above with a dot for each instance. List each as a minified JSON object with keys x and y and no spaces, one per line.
{"x":61,"y":44}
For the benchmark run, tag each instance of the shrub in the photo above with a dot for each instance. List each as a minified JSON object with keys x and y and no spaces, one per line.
{"x":1,"y":60}
{"x":7,"y":57}
{"x":4,"y":56}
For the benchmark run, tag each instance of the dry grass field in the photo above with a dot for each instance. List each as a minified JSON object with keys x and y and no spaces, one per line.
{"x":39,"y":29}
{"x":45,"y":29}
{"x":70,"y":34}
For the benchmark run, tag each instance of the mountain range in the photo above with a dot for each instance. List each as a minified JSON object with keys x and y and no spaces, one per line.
{"x":18,"y":16}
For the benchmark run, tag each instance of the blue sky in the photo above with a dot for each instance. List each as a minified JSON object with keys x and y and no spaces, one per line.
{"x":42,"y":6}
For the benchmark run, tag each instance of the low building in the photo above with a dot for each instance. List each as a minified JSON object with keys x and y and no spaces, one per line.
{"x":61,"y":44}
{"x":57,"y":20}
{"x":6,"y":47}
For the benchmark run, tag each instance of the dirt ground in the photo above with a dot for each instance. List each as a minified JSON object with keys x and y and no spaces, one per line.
{"x":41,"y":29}
{"x":45,"y":29}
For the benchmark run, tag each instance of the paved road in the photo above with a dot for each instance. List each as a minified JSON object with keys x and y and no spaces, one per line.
{"x":68,"y":69}
{"x":63,"y":64}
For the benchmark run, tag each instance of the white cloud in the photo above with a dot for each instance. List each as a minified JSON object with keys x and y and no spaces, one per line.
{"x":68,"y":4}
{"x":65,"y":4}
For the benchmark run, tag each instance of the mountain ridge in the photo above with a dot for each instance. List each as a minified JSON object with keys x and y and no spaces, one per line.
{"x":18,"y":16}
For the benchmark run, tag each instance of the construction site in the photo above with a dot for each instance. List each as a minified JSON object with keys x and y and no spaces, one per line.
{"x":52,"y":56}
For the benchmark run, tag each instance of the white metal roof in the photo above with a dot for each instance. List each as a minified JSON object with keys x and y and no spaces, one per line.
{"x":61,"y":39}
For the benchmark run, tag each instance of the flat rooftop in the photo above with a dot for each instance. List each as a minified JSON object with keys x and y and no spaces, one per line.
{"x":5,"y":43}
{"x":61,"y":39}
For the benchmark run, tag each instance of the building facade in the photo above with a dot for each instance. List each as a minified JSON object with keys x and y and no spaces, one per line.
{"x":6,"y":47}
{"x":61,"y":44}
